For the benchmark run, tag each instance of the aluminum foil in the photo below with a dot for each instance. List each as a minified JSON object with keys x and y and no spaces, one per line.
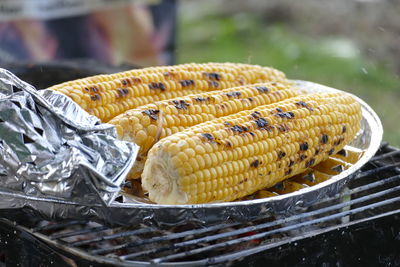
{"x":126,"y":210}
{"x":51,"y":148}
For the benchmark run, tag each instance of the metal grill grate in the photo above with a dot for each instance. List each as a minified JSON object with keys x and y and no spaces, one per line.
{"x":374,"y":194}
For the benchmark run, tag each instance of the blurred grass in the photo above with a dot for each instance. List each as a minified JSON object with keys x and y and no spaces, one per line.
{"x":328,"y":60}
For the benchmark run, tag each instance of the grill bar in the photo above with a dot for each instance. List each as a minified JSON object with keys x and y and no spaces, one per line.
{"x":80,"y":232}
{"x":281,"y":230}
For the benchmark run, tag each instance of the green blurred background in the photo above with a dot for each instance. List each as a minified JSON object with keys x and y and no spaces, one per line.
{"x":349,"y":45}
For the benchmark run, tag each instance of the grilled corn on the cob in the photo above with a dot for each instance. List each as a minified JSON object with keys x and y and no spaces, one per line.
{"x":106,"y":96}
{"x":147,"y":124}
{"x":234,"y":156}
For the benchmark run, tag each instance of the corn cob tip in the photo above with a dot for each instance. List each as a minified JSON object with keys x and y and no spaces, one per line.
{"x":163,"y":179}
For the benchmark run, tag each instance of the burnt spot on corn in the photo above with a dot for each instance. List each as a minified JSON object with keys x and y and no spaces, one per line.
{"x":261,"y":123}
{"x":241,"y":81}
{"x":95,"y":97}
{"x":255,"y":163}
{"x":180,"y":104}
{"x":186,"y":83}
{"x":155,"y":85}
{"x":344,"y":129}
{"x":302,"y":157}
{"x":252,"y":134}
{"x":288,"y":172}
{"x":310,"y":163}
{"x":136,"y":80}
{"x":94,"y":89}
{"x":228,"y":144}
{"x":324,"y":139}
{"x":126,"y":82}
{"x":279,"y":109}
{"x":291,"y":163}
{"x":251,"y":99}
{"x":281,"y":154}
{"x":304,"y":146}
{"x":283,"y":128}
{"x":122,"y":92}
{"x":262,"y":89}
{"x":86,"y":89}
{"x":243,"y":181}
{"x":212,"y":75}
{"x":317,"y":152}
{"x":233,"y":94}
{"x":285,"y":115}
{"x":213,"y":84}
{"x":208,"y":137}
{"x":330,"y":152}
{"x":239,"y":129}
{"x":199,"y":99}
{"x":255,"y":115}
{"x":305,"y":105}
{"x":152,"y":113}
{"x":227,"y":124}
{"x":269,"y":173}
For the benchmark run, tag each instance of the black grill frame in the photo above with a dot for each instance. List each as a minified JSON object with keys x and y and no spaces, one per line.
{"x":373,"y":196}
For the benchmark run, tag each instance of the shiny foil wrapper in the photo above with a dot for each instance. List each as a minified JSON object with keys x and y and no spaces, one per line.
{"x":128,"y":210}
{"x":50,"y":148}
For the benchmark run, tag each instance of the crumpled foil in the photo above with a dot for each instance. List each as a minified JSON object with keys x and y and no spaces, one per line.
{"x":51,"y":148}
{"x":101,"y":162}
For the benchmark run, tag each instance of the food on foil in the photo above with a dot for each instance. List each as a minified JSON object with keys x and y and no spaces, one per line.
{"x":107,"y":96}
{"x":234,"y":156}
{"x":147,"y":124}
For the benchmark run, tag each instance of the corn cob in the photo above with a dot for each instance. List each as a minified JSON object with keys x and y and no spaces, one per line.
{"x":107,"y":96}
{"x":147,"y":124}
{"x":234,"y":156}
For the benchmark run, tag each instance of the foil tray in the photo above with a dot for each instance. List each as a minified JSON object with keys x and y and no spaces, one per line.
{"x":128,"y":211}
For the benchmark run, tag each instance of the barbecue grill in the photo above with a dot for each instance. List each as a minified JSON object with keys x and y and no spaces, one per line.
{"x":360,"y":225}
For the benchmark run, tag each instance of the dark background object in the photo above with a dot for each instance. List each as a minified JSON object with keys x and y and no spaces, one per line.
{"x":43,"y":75}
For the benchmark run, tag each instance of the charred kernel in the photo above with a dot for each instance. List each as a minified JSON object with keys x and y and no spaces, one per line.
{"x":304,"y":104}
{"x":250,"y":99}
{"x":213,"y":84}
{"x":279,"y":109}
{"x":288,"y":172}
{"x":180,"y":104}
{"x":304,"y":146}
{"x":126,"y":91}
{"x":262,"y":89}
{"x":208,"y":136}
{"x":95,"y":97}
{"x":161,"y":86}
{"x":281,"y":154}
{"x":330,"y":152}
{"x":302,"y":157}
{"x":199,"y":99}
{"x":152,"y":113}
{"x":261,"y":123}
{"x":310,"y":163}
{"x":124,"y":82}
{"x":94,"y":89}
{"x":252,"y":134}
{"x":233,"y":94}
{"x":213,"y":75}
{"x":291,"y":163}
{"x":317,"y":151}
{"x":344,"y":129}
{"x":255,"y":163}
{"x":283,"y":128}
{"x":287,"y":115}
{"x":120,"y":92}
{"x":255,"y":114}
{"x":324,"y":139}
{"x":86,"y":89}
{"x":227,"y":124}
{"x":228,"y":144}
{"x":239,"y":129}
